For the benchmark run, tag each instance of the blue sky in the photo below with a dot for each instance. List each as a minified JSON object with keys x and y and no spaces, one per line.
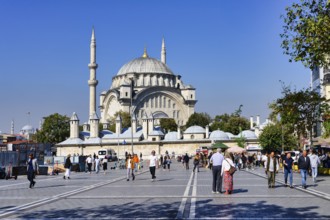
{"x":229,"y":50}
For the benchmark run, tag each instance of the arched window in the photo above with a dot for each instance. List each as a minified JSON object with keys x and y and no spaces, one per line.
{"x":160,"y":102}
{"x":164,"y":102}
{"x":174,"y":105}
{"x":192,"y":137}
{"x":156,"y":102}
{"x":174,"y":114}
{"x":169,"y":103}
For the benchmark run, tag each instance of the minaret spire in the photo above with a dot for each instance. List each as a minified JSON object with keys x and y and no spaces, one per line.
{"x":92,"y":82}
{"x":163,"y":53}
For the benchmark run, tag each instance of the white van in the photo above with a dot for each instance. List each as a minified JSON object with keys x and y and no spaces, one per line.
{"x":109,"y":154}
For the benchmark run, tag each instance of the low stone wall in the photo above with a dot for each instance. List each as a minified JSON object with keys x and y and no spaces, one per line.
{"x":144,"y":147}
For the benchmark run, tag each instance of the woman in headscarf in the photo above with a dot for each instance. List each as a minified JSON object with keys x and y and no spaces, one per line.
{"x":227,"y":177}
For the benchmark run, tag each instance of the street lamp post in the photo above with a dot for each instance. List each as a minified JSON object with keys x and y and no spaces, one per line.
{"x":131,"y":114}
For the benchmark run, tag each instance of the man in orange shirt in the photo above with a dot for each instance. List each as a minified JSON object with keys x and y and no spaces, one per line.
{"x":136,"y":162}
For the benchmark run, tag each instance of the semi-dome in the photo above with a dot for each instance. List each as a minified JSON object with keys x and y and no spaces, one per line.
{"x":144,"y":65}
{"x":248,"y":134}
{"x":195,"y":130}
{"x":219,"y":135}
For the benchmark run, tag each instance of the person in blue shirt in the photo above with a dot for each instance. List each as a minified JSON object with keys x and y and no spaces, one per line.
{"x":288,"y":164}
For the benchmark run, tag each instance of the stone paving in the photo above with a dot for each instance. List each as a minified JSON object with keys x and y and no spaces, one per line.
{"x":176,"y":194}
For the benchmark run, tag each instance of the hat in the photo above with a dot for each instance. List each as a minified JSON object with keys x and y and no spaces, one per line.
{"x":69,"y":155}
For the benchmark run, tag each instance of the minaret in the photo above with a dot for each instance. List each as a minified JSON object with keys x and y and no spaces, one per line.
{"x":92,"y":82}
{"x":12,"y":127}
{"x":163,"y":53}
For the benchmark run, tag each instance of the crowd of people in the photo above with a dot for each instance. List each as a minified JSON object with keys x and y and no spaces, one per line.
{"x":223,"y":166}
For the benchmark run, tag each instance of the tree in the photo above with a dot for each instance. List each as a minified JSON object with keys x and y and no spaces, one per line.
{"x":168,"y":124}
{"x":55,"y":129}
{"x":200,"y":119}
{"x":299,"y":111}
{"x":125,"y":117}
{"x":271,"y":138}
{"x":306,"y":29}
{"x":230,"y":123}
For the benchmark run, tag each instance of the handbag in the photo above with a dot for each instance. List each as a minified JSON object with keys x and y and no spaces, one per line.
{"x":232,"y":169}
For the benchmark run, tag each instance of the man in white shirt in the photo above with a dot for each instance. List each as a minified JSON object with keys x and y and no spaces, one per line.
{"x":315,"y":162}
{"x":272,"y":167}
{"x":216,"y":160}
{"x":89,"y":163}
{"x":153,"y":162}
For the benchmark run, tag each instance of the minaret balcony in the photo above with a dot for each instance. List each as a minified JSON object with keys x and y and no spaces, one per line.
{"x":92,"y":82}
{"x":92,"y":66}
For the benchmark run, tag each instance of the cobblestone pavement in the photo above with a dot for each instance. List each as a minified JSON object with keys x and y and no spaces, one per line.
{"x":176,"y":194}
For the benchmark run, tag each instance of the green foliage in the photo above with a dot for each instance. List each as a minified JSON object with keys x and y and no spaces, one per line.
{"x":326,"y":124}
{"x":306,"y":29}
{"x":299,"y":111}
{"x":271,"y":138}
{"x":168,"y":124}
{"x":241,"y":141}
{"x":55,"y":129}
{"x":230,"y":123}
{"x":200,"y":119}
{"x":125,"y":117}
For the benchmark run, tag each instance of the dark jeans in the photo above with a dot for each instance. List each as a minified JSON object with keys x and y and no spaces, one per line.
{"x":30,"y":176}
{"x":196,"y":165}
{"x":89,"y":167}
{"x":217,"y":179}
{"x":152,"y":171}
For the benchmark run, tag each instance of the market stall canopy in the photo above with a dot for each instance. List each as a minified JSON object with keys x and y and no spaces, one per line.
{"x":219,"y":145}
{"x":236,"y":149}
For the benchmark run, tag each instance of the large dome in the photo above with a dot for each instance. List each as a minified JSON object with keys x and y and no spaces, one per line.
{"x":144,"y":65}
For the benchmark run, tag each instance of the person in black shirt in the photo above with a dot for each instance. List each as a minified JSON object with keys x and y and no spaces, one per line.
{"x":288,"y":163}
{"x":304,"y":165}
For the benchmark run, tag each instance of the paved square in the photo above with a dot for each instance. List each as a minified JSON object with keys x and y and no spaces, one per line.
{"x":176,"y":194}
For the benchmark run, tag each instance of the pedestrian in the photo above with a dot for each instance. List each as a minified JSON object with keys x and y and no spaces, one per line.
{"x":244,"y":159}
{"x":288,"y":164}
{"x":186,"y":161}
{"x":32,"y":170}
{"x":196,"y":162}
{"x":209,"y":160}
{"x":104,"y":165}
{"x":304,"y":165}
{"x":97,"y":164}
{"x":153,"y":162}
{"x":93,"y":161}
{"x":228,"y":182}
{"x":130,"y":167}
{"x":67,"y":166}
{"x":163,"y":161}
{"x":140,"y":155}
{"x":216,"y":160}
{"x":89,"y":163}
{"x":258,"y":159}
{"x":136,"y":162}
{"x":168,"y":162}
{"x":272,"y":168}
{"x":315,"y":162}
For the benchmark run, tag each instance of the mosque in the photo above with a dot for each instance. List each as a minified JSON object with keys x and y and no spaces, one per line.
{"x":149,"y":90}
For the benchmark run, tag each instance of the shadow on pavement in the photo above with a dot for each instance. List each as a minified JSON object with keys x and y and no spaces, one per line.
{"x":260,"y":209}
{"x":124,"y":210}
